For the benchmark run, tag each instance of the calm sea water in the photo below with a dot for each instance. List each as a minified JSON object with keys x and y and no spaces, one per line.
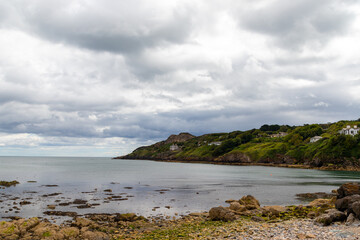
{"x":182,"y":186}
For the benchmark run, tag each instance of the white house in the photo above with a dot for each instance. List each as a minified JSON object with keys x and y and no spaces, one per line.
{"x":174,"y":147}
{"x":215,"y":143}
{"x":349,"y":130}
{"x":315,"y":139}
{"x":278,"y":135}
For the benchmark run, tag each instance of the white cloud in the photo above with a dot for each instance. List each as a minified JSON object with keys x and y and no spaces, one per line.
{"x":103,"y":78}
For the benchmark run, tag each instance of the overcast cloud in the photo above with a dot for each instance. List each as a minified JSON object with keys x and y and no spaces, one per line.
{"x":100,"y":78}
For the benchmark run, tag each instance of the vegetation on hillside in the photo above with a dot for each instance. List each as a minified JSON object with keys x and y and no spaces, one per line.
{"x":279,"y":144}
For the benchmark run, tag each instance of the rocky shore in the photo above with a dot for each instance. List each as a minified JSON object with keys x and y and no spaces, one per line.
{"x":323,"y":218}
{"x":283,"y":165}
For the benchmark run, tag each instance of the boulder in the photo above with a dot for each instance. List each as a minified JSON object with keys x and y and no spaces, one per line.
{"x":82,"y":222}
{"x":274,"y":210}
{"x":237,"y":207}
{"x":348,"y":189}
{"x":331,"y":215}
{"x":344,"y":203}
{"x":222,"y":214}
{"x":250,"y":202}
{"x":352,"y":220}
{"x":70,"y":232}
{"x":355,"y":208}
{"x":94,"y":235}
{"x":321,"y":203}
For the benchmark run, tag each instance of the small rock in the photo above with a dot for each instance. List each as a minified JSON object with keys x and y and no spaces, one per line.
{"x":51,"y":207}
{"x":79,"y":201}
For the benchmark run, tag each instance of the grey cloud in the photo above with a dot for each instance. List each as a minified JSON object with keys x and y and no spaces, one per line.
{"x":298,"y":23}
{"x":110,"y":30}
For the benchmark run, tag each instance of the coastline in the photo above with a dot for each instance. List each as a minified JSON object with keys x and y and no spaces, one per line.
{"x":251,"y":222}
{"x":282,"y":165}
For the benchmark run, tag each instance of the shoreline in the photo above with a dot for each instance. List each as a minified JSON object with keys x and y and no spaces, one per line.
{"x":282,"y":165}
{"x":254,"y":222}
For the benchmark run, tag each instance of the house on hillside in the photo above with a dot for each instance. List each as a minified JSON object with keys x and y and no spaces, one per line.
{"x":350,"y":130}
{"x":315,"y":139}
{"x":215,"y":143}
{"x":280,"y":134}
{"x":174,"y":147}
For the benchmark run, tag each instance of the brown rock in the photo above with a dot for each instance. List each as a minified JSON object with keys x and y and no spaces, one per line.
{"x":235,"y":157}
{"x":82,"y":222}
{"x":321,"y":203}
{"x":70,"y":232}
{"x":352,"y":220}
{"x":250,"y":202}
{"x":331,"y":215}
{"x":79,"y":201}
{"x":344,"y":203}
{"x":355,"y":208}
{"x":222,"y":214}
{"x":230,"y":201}
{"x":274,"y":210}
{"x":348,"y":189}
{"x":237,"y":207}
{"x":88,"y":235}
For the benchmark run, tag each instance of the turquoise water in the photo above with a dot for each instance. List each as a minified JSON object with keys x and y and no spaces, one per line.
{"x":185,"y":187}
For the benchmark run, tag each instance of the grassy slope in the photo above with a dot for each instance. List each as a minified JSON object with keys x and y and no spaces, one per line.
{"x":333,"y":149}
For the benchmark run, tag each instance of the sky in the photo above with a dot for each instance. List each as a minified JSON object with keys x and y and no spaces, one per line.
{"x":101,"y":78}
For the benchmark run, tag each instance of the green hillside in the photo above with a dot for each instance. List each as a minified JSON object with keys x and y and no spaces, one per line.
{"x":271,"y":144}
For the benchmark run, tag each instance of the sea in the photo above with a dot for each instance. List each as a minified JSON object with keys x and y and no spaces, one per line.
{"x":150,"y":188}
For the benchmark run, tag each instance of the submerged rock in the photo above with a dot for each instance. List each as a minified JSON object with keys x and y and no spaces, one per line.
{"x":317,"y":195}
{"x":9,"y":183}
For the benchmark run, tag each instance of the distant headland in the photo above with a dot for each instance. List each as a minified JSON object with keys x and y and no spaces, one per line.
{"x":330,"y":146}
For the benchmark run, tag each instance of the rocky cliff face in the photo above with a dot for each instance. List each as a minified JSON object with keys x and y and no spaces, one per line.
{"x":182,"y":137}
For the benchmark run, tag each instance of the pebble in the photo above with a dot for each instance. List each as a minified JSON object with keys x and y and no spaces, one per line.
{"x":292,"y":229}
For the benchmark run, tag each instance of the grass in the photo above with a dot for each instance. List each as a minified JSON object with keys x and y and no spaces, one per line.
{"x":186,"y":230}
